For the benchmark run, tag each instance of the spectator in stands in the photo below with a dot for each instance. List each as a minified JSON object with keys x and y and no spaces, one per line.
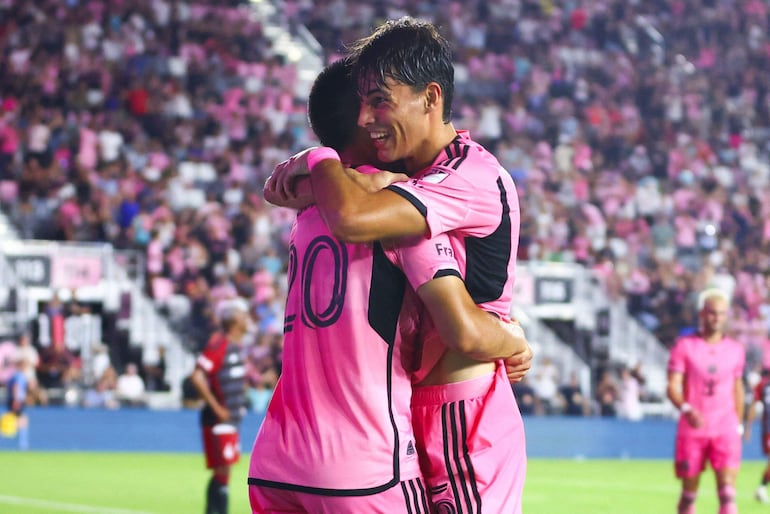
{"x":525,"y":397}
{"x":130,"y":389}
{"x":155,"y":372}
{"x":103,"y":393}
{"x":59,"y":368}
{"x":27,"y":352}
{"x":545,"y":382}
{"x":573,"y":401}
{"x":8,"y":351}
{"x":607,"y":395}
{"x":629,"y":401}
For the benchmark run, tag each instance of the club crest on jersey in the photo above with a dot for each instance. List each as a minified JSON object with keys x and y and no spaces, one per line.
{"x":434,"y":176}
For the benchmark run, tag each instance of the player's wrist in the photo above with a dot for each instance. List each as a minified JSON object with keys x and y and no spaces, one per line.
{"x":322,"y":153}
{"x":741,"y":429}
{"x":685,"y":408}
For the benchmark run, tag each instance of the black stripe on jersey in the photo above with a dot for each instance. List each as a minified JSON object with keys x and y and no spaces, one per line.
{"x":421,"y":207}
{"x":386,"y":296}
{"x":455,"y":151}
{"x":447,"y":273}
{"x":466,"y":454}
{"x":458,"y":161}
{"x":487,"y":258}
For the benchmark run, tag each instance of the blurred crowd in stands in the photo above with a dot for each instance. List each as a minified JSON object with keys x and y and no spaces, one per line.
{"x":638,"y":134}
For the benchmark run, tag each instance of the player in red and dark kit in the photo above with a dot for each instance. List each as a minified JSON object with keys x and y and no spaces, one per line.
{"x":219,"y":378}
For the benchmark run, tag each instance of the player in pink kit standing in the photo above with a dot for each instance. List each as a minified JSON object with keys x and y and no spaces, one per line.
{"x":337,"y":436}
{"x":469,"y":429}
{"x":705,"y":383}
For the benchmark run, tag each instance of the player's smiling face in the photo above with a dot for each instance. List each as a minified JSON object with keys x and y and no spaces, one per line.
{"x":394,"y":115}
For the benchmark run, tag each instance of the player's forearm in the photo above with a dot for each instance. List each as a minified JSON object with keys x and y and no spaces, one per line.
{"x":202,"y":386}
{"x":497,"y":339}
{"x":740,"y":399}
{"x":481,"y":336}
{"x":356,"y":215}
{"x":674,"y":391}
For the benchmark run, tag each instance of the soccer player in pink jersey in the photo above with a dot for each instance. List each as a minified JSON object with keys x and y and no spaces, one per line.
{"x":337,"y":436}
{"x":705,"y":383}
{"x":469,"y":429}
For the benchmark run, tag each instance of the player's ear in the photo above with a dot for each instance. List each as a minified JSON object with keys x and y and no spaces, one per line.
{"x":433,"y":96}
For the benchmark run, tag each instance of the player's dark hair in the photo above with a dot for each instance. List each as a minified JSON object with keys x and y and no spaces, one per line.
{"x":408,"y":51}
{"x":333,"y":105}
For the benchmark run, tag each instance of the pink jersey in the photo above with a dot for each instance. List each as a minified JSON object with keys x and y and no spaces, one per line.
{"x":339,"y":422}
{"x":467,"y":194}
{"x":710,"y":371}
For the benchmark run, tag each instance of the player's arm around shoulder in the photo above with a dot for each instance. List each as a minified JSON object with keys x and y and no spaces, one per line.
{"x":362,"y":217}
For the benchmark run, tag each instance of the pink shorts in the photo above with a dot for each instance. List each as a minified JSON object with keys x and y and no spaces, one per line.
{"x":408,"y":497}
{"x":221,"y":446}
{"x":471,"y":443}
{"x":693,"y":451}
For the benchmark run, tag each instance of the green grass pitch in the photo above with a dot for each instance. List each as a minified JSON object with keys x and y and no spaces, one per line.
{"x":160,"y":483}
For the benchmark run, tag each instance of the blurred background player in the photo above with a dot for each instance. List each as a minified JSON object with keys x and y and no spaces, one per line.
{"x":761,"y":401}
{"x":219,"y":379}
{"x":17,"y":389}
{"x":705,"y":382}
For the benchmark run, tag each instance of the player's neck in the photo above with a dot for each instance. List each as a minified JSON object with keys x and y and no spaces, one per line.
{"x":430,"y":148}
{"x":712,"y":337}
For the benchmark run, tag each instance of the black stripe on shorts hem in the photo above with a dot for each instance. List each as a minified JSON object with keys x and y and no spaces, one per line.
{"x":320,"y":490}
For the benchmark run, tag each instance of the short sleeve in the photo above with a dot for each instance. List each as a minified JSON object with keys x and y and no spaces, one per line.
{"x":676,"y":360}
{"x":423,"y":259}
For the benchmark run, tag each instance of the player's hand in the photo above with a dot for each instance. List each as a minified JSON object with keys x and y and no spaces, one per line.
{"x":518,"y":364}
{"x":373,"y":182}
{"x":280,"y":185}
{"x":694,"y":418}
{"x":222,"y":413}
{"x":301,"y":195}
{"x":746,"y":431}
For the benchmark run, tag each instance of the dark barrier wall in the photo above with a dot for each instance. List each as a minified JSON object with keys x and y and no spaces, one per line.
{"x":58,"y":429}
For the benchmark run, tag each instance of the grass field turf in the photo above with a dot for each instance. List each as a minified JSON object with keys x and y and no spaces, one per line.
{"x":160,"y":483}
